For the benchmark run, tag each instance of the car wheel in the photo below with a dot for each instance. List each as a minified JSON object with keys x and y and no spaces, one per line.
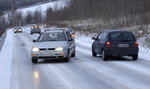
{"x":34,"y":60}
{"x":104,"y":56}
{"x":74,"y":53}
{"x":135,"y":57}
{"x":67,"y":58}
{"x":31,"y":33}
{"x":93,"y":52}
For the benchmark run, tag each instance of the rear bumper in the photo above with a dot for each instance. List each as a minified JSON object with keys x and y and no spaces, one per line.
{"x":36,"y":31}
{"x":121,"y":52}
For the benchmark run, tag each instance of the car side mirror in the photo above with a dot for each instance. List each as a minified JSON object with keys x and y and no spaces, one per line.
{"x":34,"y":40}
{"x":93,"y":38}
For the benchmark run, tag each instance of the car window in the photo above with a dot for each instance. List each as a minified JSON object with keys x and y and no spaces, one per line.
{"x":103,"y":37}
{"x":68,"y":35}
{"x":124,"y":36}
{"x":70,"y":30}
{"x":52,"y":36}
{"x":99,"y":36}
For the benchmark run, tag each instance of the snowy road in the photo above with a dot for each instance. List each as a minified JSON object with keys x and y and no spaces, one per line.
{"x":82,"y":72}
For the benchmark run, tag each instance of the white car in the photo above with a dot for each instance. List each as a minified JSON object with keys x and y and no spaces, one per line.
{"x":53,"y":44}
{"x":17,"y":30}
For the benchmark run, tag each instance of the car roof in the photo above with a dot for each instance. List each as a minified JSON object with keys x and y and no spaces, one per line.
{"x":115,"y":31}
{"x":62,"y":28}
{"x":54,"y":30}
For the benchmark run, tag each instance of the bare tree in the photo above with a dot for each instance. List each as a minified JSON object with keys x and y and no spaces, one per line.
{"x":29,"y":18}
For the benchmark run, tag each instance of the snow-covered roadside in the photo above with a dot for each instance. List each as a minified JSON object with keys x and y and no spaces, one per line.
{"x":5,"y":61}
{"x":144,"y":53}
{"x":87,"y":41}
{"x":2,"y":39}
{"x":55,"y":5}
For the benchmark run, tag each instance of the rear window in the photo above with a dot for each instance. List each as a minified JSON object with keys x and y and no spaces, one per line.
{"x":122,"y":36}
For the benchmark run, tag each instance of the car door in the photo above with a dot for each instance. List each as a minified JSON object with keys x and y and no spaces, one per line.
{"x":99,"y":42}
{"x":71,"y":43}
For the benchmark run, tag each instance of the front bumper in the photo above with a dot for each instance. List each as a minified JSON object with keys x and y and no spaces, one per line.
{"x":49,"y":55}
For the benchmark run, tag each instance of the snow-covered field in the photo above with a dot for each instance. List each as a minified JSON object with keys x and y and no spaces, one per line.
{"x":55,"y":5}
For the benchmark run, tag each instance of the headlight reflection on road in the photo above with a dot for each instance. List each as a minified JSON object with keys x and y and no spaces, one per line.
{"x":36,"y":75}
{"x":36,"y":79}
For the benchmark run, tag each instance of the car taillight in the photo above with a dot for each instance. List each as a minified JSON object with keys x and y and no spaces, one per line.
{"x":108,"y":44}
{"x":136,"y":44}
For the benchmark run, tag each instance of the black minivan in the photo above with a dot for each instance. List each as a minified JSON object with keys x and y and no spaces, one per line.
{"x":115,"y":43}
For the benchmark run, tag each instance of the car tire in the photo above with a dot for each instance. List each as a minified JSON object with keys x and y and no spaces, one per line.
{"x":31,"y":33}
{"x":104,"y":56}
{"x":93,"y":52}
{"x":34,"y":60}
{"x":74,"y":53}
{"x":134,"y":57}
{"x":67,"y":59}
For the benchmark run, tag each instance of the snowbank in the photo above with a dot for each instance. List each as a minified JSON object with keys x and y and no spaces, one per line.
{"x":5,"y":61}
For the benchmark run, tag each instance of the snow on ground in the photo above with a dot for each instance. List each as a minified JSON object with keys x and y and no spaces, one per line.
{"x":2,"y":39}
{"x":144,"y":53}
{"x":56,"y":5}
{"x":5,"y":61}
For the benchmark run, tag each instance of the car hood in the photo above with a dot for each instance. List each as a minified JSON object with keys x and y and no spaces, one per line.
{"x":52,"y":44}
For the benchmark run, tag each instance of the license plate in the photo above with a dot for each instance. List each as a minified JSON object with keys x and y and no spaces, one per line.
{"x":46,"y":55}
{"x":123,"y":45}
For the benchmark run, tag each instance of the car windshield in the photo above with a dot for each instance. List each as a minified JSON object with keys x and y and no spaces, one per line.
{"x":121,"y":36}
{"x":52,"y":36}
{"x":69,"y":30}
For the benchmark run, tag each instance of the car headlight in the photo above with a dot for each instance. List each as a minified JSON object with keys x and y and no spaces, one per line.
{"x":15,"y":30}
{"x":19,"y":29}
{"x":59,"y":49}
{"x":34,"y":49}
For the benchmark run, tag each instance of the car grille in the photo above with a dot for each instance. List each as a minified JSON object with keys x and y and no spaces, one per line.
{"x":42,"y":49}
